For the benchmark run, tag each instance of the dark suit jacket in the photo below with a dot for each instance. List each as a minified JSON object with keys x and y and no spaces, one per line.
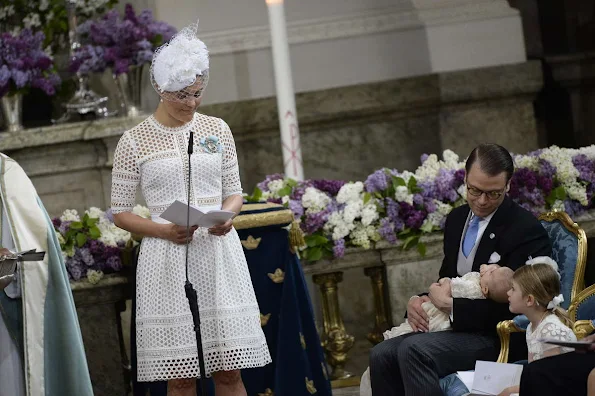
{"x":517,"y":235}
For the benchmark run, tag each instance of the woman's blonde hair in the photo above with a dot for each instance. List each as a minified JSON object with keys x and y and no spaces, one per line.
{"x":543,"y":283}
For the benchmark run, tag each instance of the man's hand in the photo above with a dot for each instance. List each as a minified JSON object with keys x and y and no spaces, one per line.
{"x":221,"y":230}
{"x":440,"y":296}
{"x":487,"y":268}
{"x":416,"y":316}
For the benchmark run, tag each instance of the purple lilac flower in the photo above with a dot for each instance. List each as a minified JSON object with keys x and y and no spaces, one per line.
{"x":413,"y":218}
{"x":76,"y":268}
{"x":585,"y":166}
{"x":428,"y":190}
{"x":120,"y":43}
{"x":429,"y":205}
{"x":392,"y":210}
{"x":339,"y":248}
{"x":85,"y":256}
{"x":573,"y":208}
{"x":331,"y":187}
{"x":546,"y":169}
{"x":263,"y":185}
{"x":23,"y":64}
{"x":418,"y":199}
{"x":113,"y":264}
{"x":458,"y":178}
{"x":423,"y":158}
{"x":387,"y":230}
{"x":109,"y":215}
{"x":377,"y":181}
{"x":297,"y":208}
{"x":315,"y":221}
{"x":56,"y":222}
{"x":444,"y":186}
{"x":64,"y":227}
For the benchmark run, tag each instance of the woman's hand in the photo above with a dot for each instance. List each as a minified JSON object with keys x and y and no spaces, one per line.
{"x":177,"y":234}
{"x":222,"y":229}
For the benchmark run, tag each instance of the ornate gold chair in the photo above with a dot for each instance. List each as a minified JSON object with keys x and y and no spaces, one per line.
{"x":569,"y":249}
{"x":582,"y":312}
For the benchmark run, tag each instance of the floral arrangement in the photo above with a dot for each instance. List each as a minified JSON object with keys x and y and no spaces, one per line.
{"x":92,"y":245}
{"x":395,"y":206}
{"x":119,"y":42}
{"x":23,"y":64}
{"x":48,"y":16}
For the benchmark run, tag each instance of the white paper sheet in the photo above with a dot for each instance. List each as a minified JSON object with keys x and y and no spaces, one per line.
{"x":491,"y":378}
{"x":177,"y":213}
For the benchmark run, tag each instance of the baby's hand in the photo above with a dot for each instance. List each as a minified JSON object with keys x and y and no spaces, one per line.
{"x":485,"y":269}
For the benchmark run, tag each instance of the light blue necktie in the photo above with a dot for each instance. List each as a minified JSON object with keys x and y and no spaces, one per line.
{"x":471,"y":236}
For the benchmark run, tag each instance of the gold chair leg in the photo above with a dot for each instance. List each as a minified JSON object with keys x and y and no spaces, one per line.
{"x":376,"y":275}
{"x":336,"y":342}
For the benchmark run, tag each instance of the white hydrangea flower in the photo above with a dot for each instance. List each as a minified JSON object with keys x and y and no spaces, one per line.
{"x":337,"y":226}
{"x":352,"y":211}
{"x":359,"y":236}
{"x":142,"y":211}
{"x":369,"y":214}
{"x":402,"y":195}
{"x":350,"y":192}
{"x":558,"y":205}
{"x":94,"y":276}
{"x":429,"y":169}
{"x":31,"y":20}
{"x":6,"y":12}
{"x":435,"y":218}
{"x":314,"y":200}
{"x":61,"y":239}
{"x":406,"y":175}
{"x":70,"y":215}
{"x":526,"y":161}
{"x":589,"y":151}
{"x":442,"y":208}
{"x":462,"y":190}
{"x":274,"y":186}
{"x":95,"y":213}
{"x":451,"y":159}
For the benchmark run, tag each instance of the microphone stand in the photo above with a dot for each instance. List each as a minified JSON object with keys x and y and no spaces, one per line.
{"x":190,"y":292}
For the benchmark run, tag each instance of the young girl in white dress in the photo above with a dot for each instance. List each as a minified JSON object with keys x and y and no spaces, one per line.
{"x":154,"y":154}
{"x":536,"y":294}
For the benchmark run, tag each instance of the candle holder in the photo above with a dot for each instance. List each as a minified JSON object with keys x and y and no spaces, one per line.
{"x":85,"y":100}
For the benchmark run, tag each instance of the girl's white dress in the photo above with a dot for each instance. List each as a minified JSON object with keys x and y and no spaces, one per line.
{"x":156,"y":157}
{"x":550,"y":327}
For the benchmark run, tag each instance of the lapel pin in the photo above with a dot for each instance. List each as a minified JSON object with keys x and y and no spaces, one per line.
{"x":492,"y":236}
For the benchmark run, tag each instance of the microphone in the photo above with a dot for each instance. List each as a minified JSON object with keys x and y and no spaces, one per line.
{"x":189,"y":289}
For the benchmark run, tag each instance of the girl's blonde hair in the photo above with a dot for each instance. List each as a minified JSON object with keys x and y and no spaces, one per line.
{"x":543,"y":283}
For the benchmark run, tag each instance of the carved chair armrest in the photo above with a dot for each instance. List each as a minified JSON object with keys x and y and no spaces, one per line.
{"x":504,"y":329}
{"x":583,"y":328}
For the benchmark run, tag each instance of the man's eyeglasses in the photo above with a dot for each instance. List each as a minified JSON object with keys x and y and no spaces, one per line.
{"x":476,"y":192}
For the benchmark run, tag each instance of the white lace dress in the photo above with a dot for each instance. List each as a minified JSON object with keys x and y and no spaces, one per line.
{"x":156,"y":157}
{"x":550,"y":327}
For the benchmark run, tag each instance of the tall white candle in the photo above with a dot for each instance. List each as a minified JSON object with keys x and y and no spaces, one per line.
{"x":290,"y":133}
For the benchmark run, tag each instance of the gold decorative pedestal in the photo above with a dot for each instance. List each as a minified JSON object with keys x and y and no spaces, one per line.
{"x":335,"y":341}
{"x":377,"y":277}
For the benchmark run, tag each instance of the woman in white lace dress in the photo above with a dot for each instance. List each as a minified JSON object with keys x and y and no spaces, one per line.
{"x":154,"y":155}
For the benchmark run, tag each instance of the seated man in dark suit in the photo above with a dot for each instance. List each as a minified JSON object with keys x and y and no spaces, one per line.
{"x":564,"y":374}
{"x":490,"y":229}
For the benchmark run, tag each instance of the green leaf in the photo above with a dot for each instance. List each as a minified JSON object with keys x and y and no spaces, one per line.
{"x":367,"y":198}
{"x":81,"y":239}
{"x":284,"y":191}
{"x":291,"y":183}
{"x":410,"y":242}
{"x":421,"y":248}
{"x":94,"y":232}
{"x":91,"y":221}
{"x":256,"y":195}
{"x":405,"y":233}
{"x":378,"y":195}
{"x":412,"y":183}
{"x":427,"y":227}
{"x":398,"y":182}
{"x":315,"y":254}
{"x":76,"y":225}
{"x":315,"y":240}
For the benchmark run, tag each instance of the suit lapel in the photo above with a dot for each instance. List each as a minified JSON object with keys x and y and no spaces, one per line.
{"x":487,"y":244}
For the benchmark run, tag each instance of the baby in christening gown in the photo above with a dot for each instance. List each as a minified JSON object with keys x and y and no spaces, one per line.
{"x":493,"y":285}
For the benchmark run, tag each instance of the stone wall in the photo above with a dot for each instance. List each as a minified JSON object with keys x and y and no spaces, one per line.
{"x":347,"y":132}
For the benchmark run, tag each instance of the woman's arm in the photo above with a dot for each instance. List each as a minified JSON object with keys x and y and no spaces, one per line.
{"x":148,"y":228}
